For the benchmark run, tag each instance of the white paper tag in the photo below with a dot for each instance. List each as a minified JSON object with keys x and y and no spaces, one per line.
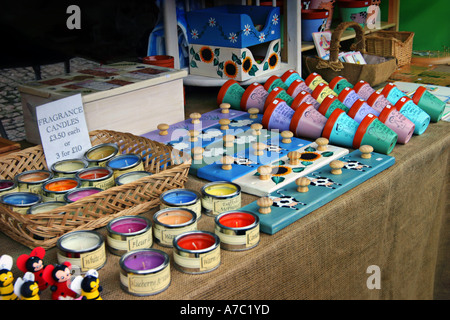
{"x":63,"y":130}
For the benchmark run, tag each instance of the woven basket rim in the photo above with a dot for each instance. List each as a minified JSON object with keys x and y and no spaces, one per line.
{"x":175,"y":174}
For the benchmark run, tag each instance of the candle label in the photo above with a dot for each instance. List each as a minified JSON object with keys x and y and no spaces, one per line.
{"x":203,"y":262}
{"x":102,"y":184}
{"x":141,"y":241}
{"x":138,"y":167}
{"x":214,"y":206}
{"x":14,"y":189}
{"x":165,"y":235}
{"x":89,"y":260}
{"x":249,"y":239}
{"x":21,"y":210}
{"x":146,"y":284}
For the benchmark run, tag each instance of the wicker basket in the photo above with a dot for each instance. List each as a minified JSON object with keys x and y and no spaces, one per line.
{"x":169,"y":168}
{"x":391,"y":43}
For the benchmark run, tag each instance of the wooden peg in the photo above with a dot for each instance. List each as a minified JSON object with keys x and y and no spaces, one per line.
{"x":264,"y":204}
{"x":264,"y":172}
{"x":286,"y":136}
{"x":256,"y":127}
{"x":322,"y":143}
{"x":366,"y":151}
{"x":228,"y":140}
{"x":163,"y":127}
{"x":195,"y":117}
{"x":294,"y":158}
{"x":193,"y":135}
{"x":225,"y":107}
{"x":303,"y":184}
{"x":259,"y":148}
{"x":197,"y":153}
{"x":336,"y":166}
{"x":227,"y":161}
{"x":224,"y":124}
{"x":253,"y":113}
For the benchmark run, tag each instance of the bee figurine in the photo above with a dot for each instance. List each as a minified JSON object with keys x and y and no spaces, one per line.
{"x":88,"y":286}
{"x":6,"y":278}
{"x":27,"y":288}
{"x":34,"y":263}
{"x":58,"y":278}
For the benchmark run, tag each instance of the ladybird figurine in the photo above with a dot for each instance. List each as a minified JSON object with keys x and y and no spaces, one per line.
{"x":88,"y":286}
{"x":6,"y":278}
{"x":58,"y":278}
{"x":34,"y":263}
{"x":27,"y":288}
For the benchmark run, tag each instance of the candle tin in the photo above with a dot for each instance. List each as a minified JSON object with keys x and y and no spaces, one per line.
{"x":220,"y":196}
{"x":68,"y":167}
{"x":55,"y":189}
{"x":237,"y":230}
{"x":170,"y":222}
{"x":97,"y":177}
{"x":32,"y":180}
{"x":125,"y":163}
{"x":20,"y":201}
{"x":8,"y":186}
{"x":45,"y":207}
{"x":145,"y":272}
{"x":129,"y":233}
{"x":131,"y":177}
{"x":80,"y":193}
{"x":98,"y":155}
{"x":196,"y":252}
{"x":85,"y":249}
{"x":182,"y":198}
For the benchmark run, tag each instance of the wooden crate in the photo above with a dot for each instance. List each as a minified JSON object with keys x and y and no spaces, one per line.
{"x":125,"y":96}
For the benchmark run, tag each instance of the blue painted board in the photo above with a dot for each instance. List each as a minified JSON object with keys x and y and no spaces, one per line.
{"x":290,"y":205}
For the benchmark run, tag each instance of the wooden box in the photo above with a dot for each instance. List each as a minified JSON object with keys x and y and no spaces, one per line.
{"x":125,"y":97}
{"x":234,"y":63}
{"x":233,"y":26}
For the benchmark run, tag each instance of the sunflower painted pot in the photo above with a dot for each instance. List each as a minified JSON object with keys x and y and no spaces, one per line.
{"x":234,"y":63}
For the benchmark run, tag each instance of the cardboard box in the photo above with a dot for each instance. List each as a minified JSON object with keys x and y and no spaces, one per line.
{"x":234,"y":26}
{"x":125,"y":97}
{"x":234,"y":63}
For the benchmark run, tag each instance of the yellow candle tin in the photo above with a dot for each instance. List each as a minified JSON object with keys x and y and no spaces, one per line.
{"x":98,"y":155}
{"x":220,"y":196}
{"x":68,"y":167}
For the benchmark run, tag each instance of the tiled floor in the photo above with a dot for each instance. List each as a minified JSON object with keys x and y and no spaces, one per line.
{"x":10,"y":105}
{"x":197,"y":99}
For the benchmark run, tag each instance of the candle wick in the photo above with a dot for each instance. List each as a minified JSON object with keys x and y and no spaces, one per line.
{"x":237,"y":225}
{"x":193,"y":243}
{"x":143,"y":264}
{"x":126,"y":162}
{"x":129,"y":230}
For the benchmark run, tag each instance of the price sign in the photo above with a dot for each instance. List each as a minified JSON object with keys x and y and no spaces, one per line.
{"x":63,"y":129}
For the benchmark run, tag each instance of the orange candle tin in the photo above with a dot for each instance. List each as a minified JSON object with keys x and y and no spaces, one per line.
{"x":170,"y":222}
{"x":55,"y":189}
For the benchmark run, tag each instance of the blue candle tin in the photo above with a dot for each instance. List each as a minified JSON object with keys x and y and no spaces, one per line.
{"x":125,"y":163}
{"x":20,"y":201}
{"x":182,"y":198}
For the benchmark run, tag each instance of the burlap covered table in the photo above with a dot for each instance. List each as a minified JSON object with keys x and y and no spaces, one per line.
{"x":397,"y":220}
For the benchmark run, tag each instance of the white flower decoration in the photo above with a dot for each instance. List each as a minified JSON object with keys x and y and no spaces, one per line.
{"x":262,"y":37}
{"x":241,"y":123}
{"x":210,"y":134}
{"x":245,"y":139}
{"x":214,"y":152}
{"x":233,"y":37}
{"x":194,"y":34}
{"x":246,"y":29}
{"x":212,"y":22}
{"x":181,"y":146}
{"x":275,"y":19}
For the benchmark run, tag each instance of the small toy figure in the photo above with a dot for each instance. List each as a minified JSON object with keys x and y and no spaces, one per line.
{"x":27,"y":288}
{"x":88,"y":286}
{"x":58,"y":277}
{"x":34,"y":263}
{"x":6,"y":278}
